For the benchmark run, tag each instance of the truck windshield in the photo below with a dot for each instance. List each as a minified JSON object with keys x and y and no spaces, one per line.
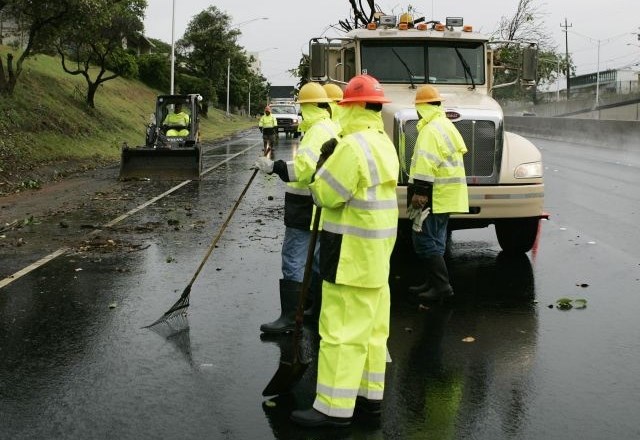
{"x":283,"y":109}
{"x":420,"y":61}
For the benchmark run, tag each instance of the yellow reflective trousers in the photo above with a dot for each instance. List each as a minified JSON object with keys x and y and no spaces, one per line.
{"x":354,"y":327}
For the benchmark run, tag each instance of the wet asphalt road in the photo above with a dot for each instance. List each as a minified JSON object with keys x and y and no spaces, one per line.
{"x":76,"y":364}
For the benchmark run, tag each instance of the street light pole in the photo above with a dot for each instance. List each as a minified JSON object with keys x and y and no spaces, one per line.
{"x":173,"y":49}
{"x":228,"y":78}
{"x":598,"y":79}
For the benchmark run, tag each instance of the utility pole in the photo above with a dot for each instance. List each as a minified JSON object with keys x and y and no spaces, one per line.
{"x":566,"y":49}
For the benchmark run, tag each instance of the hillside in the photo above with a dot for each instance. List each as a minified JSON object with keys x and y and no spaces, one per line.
{"x":47,"y":131}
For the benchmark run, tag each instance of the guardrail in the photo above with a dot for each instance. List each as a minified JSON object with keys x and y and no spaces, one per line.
{"x":619,"y":135}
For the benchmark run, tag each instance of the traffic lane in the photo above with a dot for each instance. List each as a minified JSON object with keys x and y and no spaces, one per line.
{"x":522,"y":375}
{"x":595,"y":188}
{"x":71,"y":214}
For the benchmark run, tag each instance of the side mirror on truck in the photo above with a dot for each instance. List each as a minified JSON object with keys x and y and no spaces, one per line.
{"x":530,"y":64}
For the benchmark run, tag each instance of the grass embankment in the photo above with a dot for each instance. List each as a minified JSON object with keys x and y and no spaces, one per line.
{"x":47,"y":122}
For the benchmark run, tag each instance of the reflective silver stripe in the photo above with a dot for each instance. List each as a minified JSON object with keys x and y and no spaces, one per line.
{"x":332,"y":412}
{"x":336,"y":392}
{"x":373,"y":169}
{"x":445,"y":136}
{"x":373,"y":204}
{"x":424,"y":177}
{"x":373,"y":377}
{"x":359,"y":232}
{"x":298,"y":191}
{"x":312,"y":154}
{"x":506,"y":196}
{"x":372,"y":394}
{"x":328,"y":129}
{"x":444,"y":181}
{"x":291,"y":170}
{"x":333,"y":183}
{"x":429,"y":156}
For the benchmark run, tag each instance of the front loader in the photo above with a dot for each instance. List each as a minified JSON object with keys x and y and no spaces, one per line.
{"x":166,"y":154}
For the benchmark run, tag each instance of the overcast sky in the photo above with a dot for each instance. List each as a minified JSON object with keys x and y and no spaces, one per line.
{"x":284,"y":35}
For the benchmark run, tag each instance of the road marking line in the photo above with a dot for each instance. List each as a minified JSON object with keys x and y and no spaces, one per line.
{"x":44,"y":260}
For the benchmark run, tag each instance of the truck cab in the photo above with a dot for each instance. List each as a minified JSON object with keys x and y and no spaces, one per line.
{"x":504,"y":171}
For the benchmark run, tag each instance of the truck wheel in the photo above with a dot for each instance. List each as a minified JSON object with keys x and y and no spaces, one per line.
{"x":517,"y":235}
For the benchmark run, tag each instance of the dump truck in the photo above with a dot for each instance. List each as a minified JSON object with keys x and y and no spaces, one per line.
{"x":172,"y":148}
{"x":504,"y":170}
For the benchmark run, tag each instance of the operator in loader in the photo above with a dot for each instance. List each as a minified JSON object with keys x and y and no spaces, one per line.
{"x":437,"y":182}
{"x":177,"y":122}
{"x":268,"y":125}
{"x":298,"y":205}
{"x":356,"y":187}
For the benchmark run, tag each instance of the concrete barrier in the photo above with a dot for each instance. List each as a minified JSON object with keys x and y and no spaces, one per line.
{"x":620,"y":135}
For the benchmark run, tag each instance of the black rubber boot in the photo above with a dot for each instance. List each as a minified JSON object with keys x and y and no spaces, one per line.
{"x":438,"y":277}
{"x":289,"y":293}
{"x":313,"y":312}
{"x":311,"y":418}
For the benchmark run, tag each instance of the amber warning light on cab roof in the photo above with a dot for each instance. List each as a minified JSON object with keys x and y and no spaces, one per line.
{"x":406,"y":21}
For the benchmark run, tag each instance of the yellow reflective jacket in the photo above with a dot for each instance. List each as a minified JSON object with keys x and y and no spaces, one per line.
{"x":177,"y":120}
{"x":298,"y":203}
{"x":438,"y":160}
{"x":268,"y":121}
{"x":356,"y":187}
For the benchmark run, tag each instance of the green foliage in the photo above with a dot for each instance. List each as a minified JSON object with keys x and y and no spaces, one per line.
{"x":92,"y":36}
{"x":209,"y":50}
{"x":155,"y":71}
{"x":123,"y":63}
{"x":186,"y":84}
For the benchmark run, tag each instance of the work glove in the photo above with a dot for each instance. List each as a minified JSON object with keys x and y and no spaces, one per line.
{"x":264,"y":164}
{"x":417,"y":217}
{"x":326,"y":151}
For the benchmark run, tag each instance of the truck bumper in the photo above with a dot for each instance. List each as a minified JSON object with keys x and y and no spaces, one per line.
{"x":488,"y":203}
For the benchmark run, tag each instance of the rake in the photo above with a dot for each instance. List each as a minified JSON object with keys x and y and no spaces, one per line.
{"x":177,"y":313}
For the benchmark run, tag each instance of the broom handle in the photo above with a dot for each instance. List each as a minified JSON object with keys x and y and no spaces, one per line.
{"x":306,"y":282}
{"x":222,"y":228}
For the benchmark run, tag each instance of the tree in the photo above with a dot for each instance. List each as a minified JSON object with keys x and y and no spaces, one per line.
{"x":360,"y":15}
{"x":93,"y":39}
{"x":206,"y":50}
{"x":41,"y":18}
{"x":525,"y":25}
{"x":302,"y":71}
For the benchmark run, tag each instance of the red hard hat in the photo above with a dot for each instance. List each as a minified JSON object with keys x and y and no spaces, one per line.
{"x":364,"y":88}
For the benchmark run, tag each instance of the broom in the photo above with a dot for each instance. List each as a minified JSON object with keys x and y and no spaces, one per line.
{"x":175,"y":317}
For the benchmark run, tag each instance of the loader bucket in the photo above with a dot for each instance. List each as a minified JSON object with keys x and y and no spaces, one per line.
{"x":161,"y":164}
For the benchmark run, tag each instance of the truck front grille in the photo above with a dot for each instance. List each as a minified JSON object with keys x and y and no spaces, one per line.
{"x":284,"y":122}
{"x":480,"y":139}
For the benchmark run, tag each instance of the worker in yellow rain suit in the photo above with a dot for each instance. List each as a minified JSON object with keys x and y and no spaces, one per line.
{"x":437,"y":183}
{"x":268,"y":126}
{"x":298,"y":204}
{"x":177,"y":122}
{"x":356,"y":187}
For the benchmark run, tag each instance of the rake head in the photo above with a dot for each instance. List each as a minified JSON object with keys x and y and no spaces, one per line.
{"x":174,"y":319}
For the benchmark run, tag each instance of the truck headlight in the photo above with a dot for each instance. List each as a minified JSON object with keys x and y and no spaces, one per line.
{"x":295,"y":121}
{"x":528,"y":170}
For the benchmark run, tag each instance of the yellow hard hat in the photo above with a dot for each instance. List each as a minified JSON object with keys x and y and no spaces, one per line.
{"x":312,"y":92}
{"x":428,"y":93}
{"x":334,"y":92}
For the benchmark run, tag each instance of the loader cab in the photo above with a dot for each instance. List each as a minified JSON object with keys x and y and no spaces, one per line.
{"x":177,"y":120}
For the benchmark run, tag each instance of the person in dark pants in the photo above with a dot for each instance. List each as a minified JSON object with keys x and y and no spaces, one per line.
{"x":268,"y":126}
{"x":298,"y":205}
{"x":438,"y":184}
